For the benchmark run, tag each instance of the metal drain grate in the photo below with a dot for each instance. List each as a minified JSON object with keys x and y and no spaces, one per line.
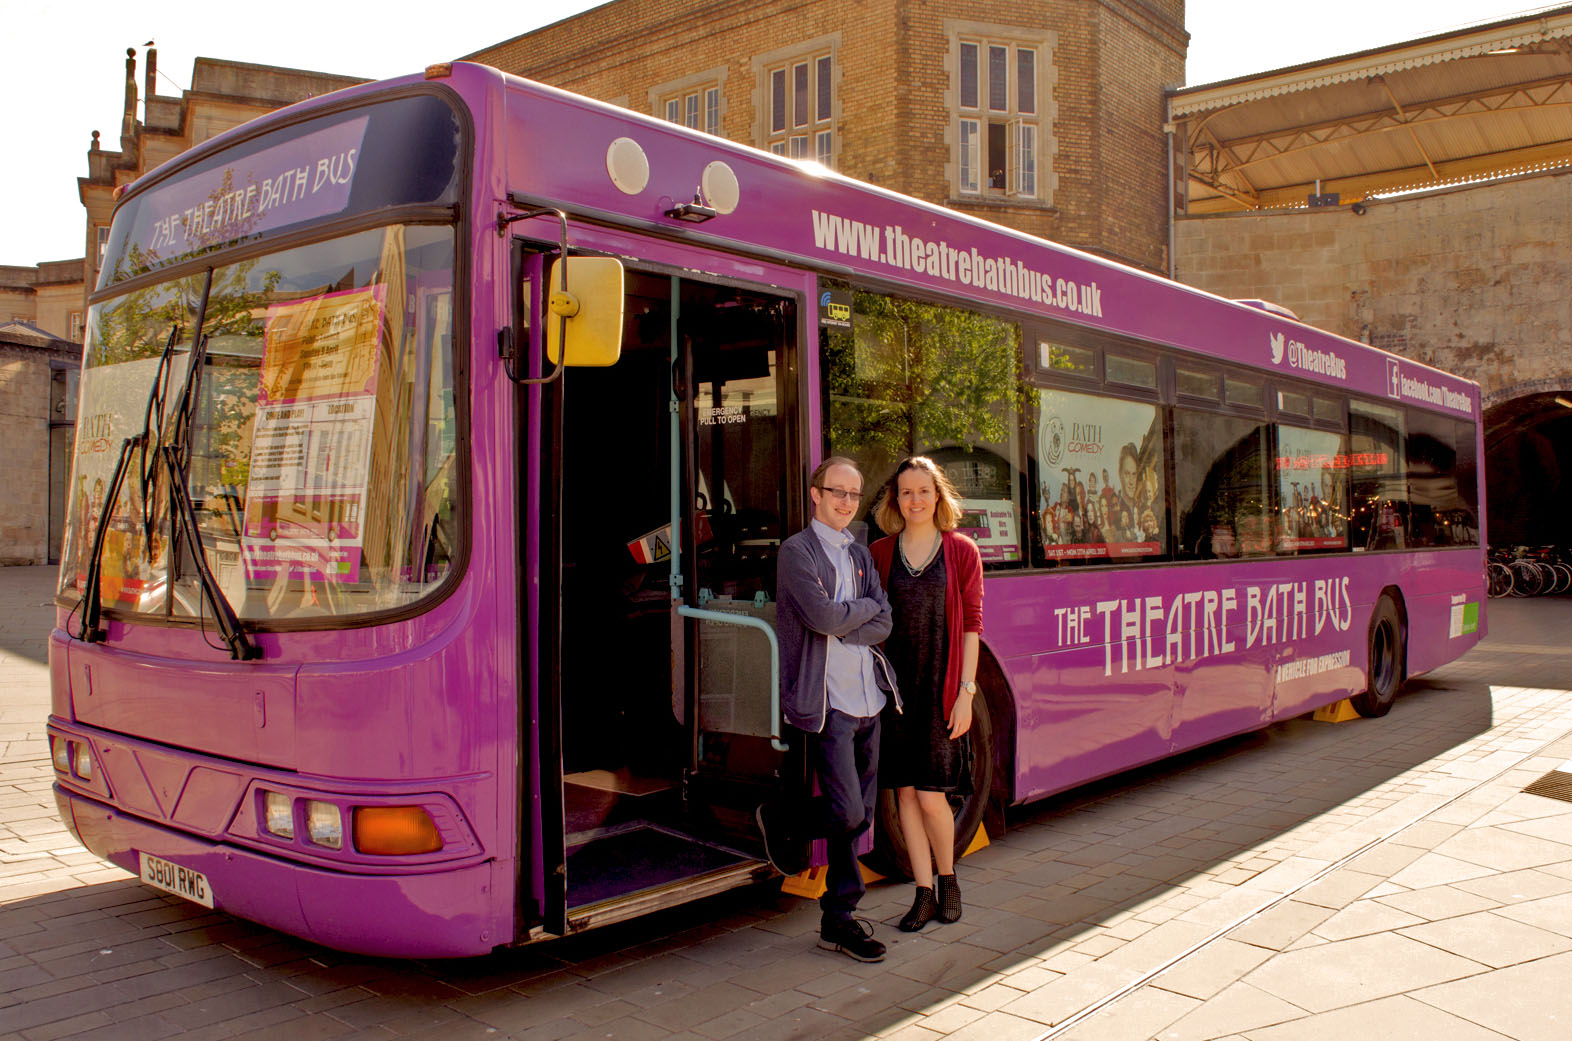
{"x":1554,"y":785}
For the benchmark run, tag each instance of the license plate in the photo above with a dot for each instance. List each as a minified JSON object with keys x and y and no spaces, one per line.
{"x":172,"y":878}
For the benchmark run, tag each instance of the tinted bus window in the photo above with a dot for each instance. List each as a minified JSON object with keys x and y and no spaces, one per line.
{"x":1194,"y":384}
{"x":1441,"y":482}
{"x":1061,"y":358}
{"x":1100,"y":468}
{"x":913,"y":377}
{"x":1221,"y":472}
{"x":1242,"y":392}
{"x":1293,"y":403}
{"x":1378,"y":488}
{"x":1132,"y":372}
{"x":1312,"y":490}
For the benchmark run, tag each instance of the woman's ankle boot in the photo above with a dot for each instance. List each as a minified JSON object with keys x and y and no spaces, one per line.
{"x":922,"y":912}
{"x":949,"y":899}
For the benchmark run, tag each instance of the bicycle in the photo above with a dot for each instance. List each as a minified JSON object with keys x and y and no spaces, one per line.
{"x":1498,"y":575}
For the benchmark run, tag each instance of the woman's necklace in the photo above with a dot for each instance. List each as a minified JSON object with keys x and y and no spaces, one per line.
{"x":933,"y":552}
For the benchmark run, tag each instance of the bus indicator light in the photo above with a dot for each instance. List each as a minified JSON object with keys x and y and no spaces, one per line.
{"x":395,"y":831}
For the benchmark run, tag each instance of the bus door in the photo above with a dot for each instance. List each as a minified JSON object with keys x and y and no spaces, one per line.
{"x":733,"y":419}
{"x":666,"y":510}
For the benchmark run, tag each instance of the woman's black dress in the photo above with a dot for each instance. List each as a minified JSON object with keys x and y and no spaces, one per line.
{"x":917,"y":751}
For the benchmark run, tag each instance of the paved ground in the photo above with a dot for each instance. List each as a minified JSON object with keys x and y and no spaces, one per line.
{"x":1376,"y":879}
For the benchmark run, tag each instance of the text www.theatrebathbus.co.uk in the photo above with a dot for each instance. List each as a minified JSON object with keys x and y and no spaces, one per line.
{"x":891,"y":246}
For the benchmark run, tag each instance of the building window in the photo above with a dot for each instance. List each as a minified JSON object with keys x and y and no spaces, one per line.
{"x":998,"y":99}
{"x":103,"y":243}
{"x":76,"y":326}
{"x":698,"y":110}
{"x":695,"y":102}
{"x":797,"y":90}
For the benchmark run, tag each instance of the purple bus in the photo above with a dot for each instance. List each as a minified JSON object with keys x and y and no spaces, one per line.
{"x":418,"y":590}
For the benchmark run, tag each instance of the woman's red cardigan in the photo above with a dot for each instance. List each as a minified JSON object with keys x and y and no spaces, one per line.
{"x":962,"y":598}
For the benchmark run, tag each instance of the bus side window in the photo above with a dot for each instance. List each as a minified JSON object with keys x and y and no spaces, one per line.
{"x":1441,"y":479}
{"x":1222,"y":470}
{"x":1378,"y":487}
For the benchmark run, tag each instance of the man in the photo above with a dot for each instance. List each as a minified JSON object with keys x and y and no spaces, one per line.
{"x":1129,"y":475}
{"x":830,"y":611}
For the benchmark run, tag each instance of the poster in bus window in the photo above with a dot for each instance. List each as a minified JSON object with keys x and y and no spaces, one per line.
{"x":311,"y":446}
{"x":1312,"y":488}
{"x":1100,"y":477}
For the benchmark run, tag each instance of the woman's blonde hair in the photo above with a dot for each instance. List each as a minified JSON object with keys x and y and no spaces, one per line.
{"x":946,"y":507}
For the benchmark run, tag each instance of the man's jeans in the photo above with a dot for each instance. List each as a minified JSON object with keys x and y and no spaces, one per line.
{"x":846,"y":762}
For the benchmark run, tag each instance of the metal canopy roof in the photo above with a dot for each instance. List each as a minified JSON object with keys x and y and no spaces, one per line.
{"x":1462,"y":106}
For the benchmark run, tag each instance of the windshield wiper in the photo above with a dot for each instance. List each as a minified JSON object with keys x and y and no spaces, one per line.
{"x":183,"y":513}
{"x":171,"y":458}
{"x":92,"y":596}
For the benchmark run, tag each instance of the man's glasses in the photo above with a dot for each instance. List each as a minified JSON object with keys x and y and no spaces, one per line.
{"x":842,"y":495}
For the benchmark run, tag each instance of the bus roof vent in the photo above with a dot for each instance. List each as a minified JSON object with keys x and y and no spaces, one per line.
{"x":1267,"y":305}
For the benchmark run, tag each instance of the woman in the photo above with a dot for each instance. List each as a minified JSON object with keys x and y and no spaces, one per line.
{"x":933,"y":576}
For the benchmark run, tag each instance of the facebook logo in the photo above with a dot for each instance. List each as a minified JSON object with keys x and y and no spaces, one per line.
{"x":1394,"y":383}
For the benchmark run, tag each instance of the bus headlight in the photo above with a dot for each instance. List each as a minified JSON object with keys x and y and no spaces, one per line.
{"x":395,"y":830}
{"x":83,"y":764}
{"x":60,"y":752}
{"x":278,"y":811}
{"x":324,"y":824}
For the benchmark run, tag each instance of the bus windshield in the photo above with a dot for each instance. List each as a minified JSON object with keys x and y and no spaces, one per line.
{"x":321,"y":449}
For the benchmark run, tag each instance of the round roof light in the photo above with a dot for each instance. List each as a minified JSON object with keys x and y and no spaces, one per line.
{"x":628,"y":166}
{"x":720,"y":188}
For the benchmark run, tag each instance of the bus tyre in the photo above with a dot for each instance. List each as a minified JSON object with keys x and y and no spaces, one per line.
{"x":1387,"y":650}
{"x":890,"y":856}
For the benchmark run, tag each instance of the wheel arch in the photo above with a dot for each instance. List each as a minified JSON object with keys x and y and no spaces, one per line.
{"x":995,"y":686}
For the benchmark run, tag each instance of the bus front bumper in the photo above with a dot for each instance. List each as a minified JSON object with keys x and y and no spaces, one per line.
{"x":431,"y":914}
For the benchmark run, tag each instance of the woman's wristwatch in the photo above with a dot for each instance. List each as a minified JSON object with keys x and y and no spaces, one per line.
{"x":968,"y":686}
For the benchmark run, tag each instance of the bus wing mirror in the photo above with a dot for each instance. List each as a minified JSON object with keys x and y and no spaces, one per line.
{"x":592,"y":309}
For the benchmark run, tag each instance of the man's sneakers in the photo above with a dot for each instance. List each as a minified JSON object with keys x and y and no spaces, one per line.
{"x":784,"y":845}
{"x":853,"y":937}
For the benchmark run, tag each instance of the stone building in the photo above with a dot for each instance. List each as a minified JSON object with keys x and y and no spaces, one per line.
{"x":48,"y":296}
{"x":1416,"y":197}
{"x":37,"y":408}
{"x":1044,"y":117}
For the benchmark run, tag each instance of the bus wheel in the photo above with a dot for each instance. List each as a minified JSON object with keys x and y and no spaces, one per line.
{"x":890,"y":855}
{"x":1387,"y":650}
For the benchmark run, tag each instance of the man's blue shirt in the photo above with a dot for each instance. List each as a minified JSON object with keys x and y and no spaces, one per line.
{"x":848,"y":671}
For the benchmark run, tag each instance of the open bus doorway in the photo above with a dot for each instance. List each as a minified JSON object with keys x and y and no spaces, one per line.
{"x":666,"y":701}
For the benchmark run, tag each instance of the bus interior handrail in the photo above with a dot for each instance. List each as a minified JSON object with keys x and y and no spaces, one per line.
{"x":727,"y":618}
